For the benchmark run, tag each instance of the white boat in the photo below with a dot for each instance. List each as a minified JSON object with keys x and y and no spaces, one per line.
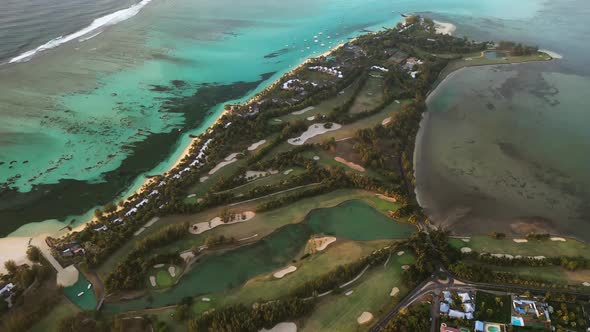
{"x":89,"y":285}
{"x":80,"y":294}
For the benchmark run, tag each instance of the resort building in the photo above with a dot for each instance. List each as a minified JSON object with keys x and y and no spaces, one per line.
{"x":530,"y":312}
{"x":457,"y":305}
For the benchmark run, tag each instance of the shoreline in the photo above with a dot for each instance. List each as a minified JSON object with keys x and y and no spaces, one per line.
{"x":7,"y":243}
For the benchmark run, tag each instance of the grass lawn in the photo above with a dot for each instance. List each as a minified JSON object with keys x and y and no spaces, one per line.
{"x":370,"y":96}
{"x":63,"y":309}
{"x":267,"y":180}
{"x":546,"y":248}
{"x":338,"y":312}
{"x":552,"y":274}
{"x":492,"y":308}
{"x":367,"y":122}
{"x":266,"y":287}
{"x":323,"y":108}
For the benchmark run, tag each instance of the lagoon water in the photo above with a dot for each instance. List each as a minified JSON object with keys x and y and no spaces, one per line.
{"x":507,"y":148}
{"x":82,"y":122}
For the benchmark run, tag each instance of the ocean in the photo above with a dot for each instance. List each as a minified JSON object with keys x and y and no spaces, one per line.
{"x":96,"y":94}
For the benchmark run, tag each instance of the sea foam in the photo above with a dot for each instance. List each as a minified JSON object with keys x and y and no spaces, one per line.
{"x":107,"y":20}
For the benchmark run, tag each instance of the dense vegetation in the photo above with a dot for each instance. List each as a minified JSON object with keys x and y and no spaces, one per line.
{"x":415,"y":319}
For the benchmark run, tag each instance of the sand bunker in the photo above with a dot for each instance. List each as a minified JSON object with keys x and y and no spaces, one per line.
{"x":139,"y":231}
{"x":364,"y":318}
{"x":153,"y":281}
{"x":466,"y":240}
{"x":385,"y":198}
{"x":282,"y":327}
{"x":386,"y":121}
{"x":394,"y":291}
{"x":502,"y":256}
{"x":202,"y":227}
{"x":172,"y":271}
{"x":352,"y":165}
{"x":157,"y":266}
{"x":321,"y":243}
{"x":316,"y":158}
{"x":222,"y":164}
{"x":307,"y":109}
{"x":287,"y":172}
{"x":187,"y":255}
{"x":558,"y":239}
{"x":349,"y":292}
{"x":206,"y":299}
{"x":466,"y":250}
{"x":313,"y":131}
{"x":256,"y":145}
{"x":203,"y":179}
{"x":400,"y":253}
{"x":284,"y":272}
{"x":586,"y":284}
{"x":405,"y":267}
{"x":520,"y":240}
{"x":311,"y":118}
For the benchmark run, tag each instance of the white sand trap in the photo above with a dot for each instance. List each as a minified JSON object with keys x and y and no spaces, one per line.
{"x":520,"y":240}
{"x":364,"y":318}
{"x":203,"y":179}
{"x":284,"y":272}
{"x":187,"y":255}
{"x":206,"y":299}
{"x":539,"y":257}
{"x":349,"y":292}
{"x":278,"y":120}
{"x":401,"y":253}
{"x":466,"y":250}
{"x":352,"y":165}
{"x":316,"y":158}
{"x":139,"y":231}
{"x":282,"y":327}
{"x":444,"y":27}
{"x":558,"y":239}
{"x":157,"y":266}
{"x":466,"y":240}
{"x":313,"y":131}
{"x":394,"y":291}
{"x":221,"y":165}
{"x":273,"y":171}
{"x":231,"y":156}
{"x":310,"y":118}
{"x":385,"y":198}
{"x":386,"y":121}
{"x":586,"y":284}
{"x":405,"y":267}
{"x":321,"y":243}
{"x":552,"y":54}
{"x":172,"y":271}
{"x":215,"y":222}
{"x":256,"y":145}
{"x":503,"y":256}
{"x":307,"y":109}
{"x":153,"y":281}
{"x":287,"y":172}
{"x":192,"y":195}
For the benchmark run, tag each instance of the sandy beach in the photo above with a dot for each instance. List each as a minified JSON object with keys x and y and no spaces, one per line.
{"x":444,"y":28}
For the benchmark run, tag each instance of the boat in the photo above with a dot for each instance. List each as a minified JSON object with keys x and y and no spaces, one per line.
{"x":80,"y":294}
{"x":89,"y":285}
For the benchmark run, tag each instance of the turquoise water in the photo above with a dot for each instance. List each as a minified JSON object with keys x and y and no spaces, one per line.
{"x":86,"y":301}
{"x":82,"y":122}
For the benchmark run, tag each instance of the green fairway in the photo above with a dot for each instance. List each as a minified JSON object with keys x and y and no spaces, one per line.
{"x":370,"y":96}
{"x":371,"y":293}
{"x":546,"y":248}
